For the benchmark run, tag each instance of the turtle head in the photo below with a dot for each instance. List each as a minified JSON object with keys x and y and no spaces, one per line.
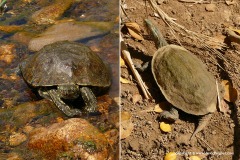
{"x":68,"y":91}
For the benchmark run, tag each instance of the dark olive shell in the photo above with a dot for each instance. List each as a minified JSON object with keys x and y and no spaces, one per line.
{"x":184,"y":80}
{"x":64,"y":63}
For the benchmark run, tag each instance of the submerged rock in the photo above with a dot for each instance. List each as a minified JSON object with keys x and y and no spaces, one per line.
{"x":17,"y":138}
{"x":70,"y":31}
{"x":50,"y":14}
{"x":73,"y":139}
{"x":24,"y":113}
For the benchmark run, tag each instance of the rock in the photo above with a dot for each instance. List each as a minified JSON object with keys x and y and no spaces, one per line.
{"x":50,"y":14}
{"x":17,"y":138}
{"x":27,"y":129}
{"x":73,"y":139}
{"x":19,"y":115}
{"x":70,"y":31}
{"x":6,"y":53}
{"x":11,"y":156}
{"x":210,"y":7}
{"x":22,"y":37}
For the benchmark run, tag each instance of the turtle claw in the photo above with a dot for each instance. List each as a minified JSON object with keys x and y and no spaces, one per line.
{"x":61,"y":105}
{"x":89,"y":99}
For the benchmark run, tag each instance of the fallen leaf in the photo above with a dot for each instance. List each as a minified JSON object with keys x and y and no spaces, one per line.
{"x":216,"y":42}
{"x":126,"y":126}
{"x":171,"y":156}
{"x":136,"y":98}
{"x":194,"y":158}
{"x":157,"y":109}
{"x":230,"y":93}
{"x":122,"y":63}
{"x":134,"y":30}
{"x":125,"y":81}
{"x":162,"y":106}
{"x":165,"y":127}
{"x":235,"y":30}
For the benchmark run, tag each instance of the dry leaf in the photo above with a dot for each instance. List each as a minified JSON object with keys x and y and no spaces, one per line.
{"x":134,"y":30}
{"x":125,"y":81}
{"x":171,"y":156}
{"x":235,"y":30}
{"x":161,"y":106}
{"x":165,"y":127}
{"x":126,"y":126}
{"x":216,"y":41}
{"x":122,"y":63}
{"x":157,"y":109}
{"x":194,"y":158}
{"x":136,"y":98}
{"x":230,"y":93}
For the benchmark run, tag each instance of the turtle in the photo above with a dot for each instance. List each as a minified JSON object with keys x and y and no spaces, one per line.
{"x":184,"y":81}
{"x":65,"y":70}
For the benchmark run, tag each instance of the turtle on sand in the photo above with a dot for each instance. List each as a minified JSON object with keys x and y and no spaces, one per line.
{"x":183,"y":80}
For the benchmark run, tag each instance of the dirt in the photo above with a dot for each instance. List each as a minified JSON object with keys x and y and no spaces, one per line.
{"x":220,"y":138}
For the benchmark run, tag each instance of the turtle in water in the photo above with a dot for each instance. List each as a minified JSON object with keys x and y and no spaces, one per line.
{"x":183,"y":80}
{"x":66,"y":70}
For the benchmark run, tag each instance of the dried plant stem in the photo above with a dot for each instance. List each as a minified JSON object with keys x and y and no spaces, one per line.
{"x":195,"y":1}
{"x":127,"y":58}
{"x":199,"y":37}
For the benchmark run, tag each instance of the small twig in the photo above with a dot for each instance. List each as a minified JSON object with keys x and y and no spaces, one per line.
{"x":127,"y":57}
{"x":219,"y":97}
{"x":123,"y":10}
{"x":195,"y":1}
{"x":199,"y":37}
{"x":204,"y":142}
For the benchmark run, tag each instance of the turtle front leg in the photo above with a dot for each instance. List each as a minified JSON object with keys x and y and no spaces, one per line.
{"x":171,"y":115}
{"x":55,"y":97}
{"x":89,"y":99}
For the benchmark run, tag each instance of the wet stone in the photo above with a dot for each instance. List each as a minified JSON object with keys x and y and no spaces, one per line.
{"x":17,"y":138}
{"x":74,"y":138}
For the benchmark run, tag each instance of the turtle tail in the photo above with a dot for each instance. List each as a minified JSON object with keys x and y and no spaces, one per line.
{"x":204,"y":120}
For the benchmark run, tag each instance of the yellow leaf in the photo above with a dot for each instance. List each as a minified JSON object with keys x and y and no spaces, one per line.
{"x":125,"y":81}
{"x":157,"y":109}
{"x":165,"y":127}
{"x":133,"y":25}
{"x":134,"y":30}
{"x":161,"y":106}
{"x":230,"y":93}
{"x":170,"y":156}
{"x":194,"y":158}
{"x":235,"y":30}
{"x":122,"y":63}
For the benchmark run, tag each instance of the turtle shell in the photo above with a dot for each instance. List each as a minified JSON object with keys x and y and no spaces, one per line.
{"x":64,"y":63}
{"x":184,"y":80}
